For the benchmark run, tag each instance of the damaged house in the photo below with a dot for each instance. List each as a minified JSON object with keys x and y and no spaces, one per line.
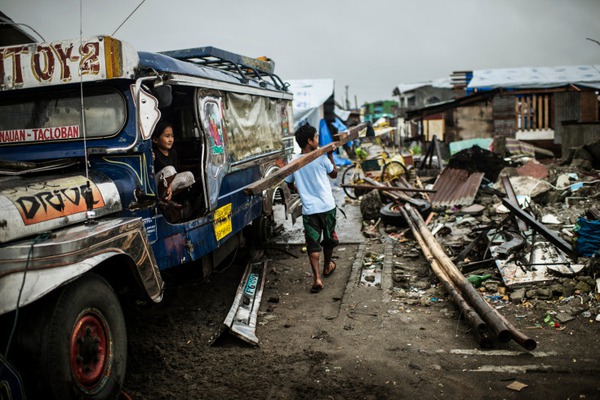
{"x":555,"y":108}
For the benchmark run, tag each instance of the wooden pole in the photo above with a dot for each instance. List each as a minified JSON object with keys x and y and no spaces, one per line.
{"x":393,"y":188}
{"x":271,"y":180}
{"x":460,"y":282}
{"x":470,"y":315}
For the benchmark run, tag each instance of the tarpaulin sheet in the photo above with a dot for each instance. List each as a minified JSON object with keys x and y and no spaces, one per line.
{"x":309,"y":95}
{"x":587,"y":241}
{"x":325,"y":137}
{"x":536,"y":77}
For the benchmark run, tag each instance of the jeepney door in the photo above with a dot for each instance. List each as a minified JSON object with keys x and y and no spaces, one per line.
{"x":214,"y":158}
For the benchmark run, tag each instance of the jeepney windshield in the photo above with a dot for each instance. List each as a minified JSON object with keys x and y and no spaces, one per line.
{"x":56,"y":116}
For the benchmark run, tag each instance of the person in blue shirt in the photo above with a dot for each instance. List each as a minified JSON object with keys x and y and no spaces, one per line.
{"x":318,"y":204}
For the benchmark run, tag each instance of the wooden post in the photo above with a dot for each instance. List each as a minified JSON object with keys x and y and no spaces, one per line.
{"x":288,"y":169}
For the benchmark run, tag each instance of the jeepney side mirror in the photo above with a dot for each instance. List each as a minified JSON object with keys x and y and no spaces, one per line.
{"x":164,"y":94}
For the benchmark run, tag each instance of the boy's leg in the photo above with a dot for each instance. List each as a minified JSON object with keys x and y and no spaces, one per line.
{"x":312,"y":234}
{"x":330,"y":241}
{"x":314,"y":265}
{"x":328,"y":265}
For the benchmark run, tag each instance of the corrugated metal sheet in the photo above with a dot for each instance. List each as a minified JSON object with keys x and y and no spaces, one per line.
{"x":455,"y":187}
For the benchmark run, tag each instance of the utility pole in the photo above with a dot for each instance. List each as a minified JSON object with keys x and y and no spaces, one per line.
{"x":347,"y":101}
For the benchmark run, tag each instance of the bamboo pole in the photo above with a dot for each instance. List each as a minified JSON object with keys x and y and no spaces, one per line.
{"x":466,"y":289}
{"x":518,"y":336}
{"x":470,"y":315}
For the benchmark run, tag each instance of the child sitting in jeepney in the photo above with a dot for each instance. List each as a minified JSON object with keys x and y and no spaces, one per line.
{"x":165,"y":162}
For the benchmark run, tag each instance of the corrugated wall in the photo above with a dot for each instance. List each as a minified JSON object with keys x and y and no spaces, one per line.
{"x":567,"y":107}
{"x":504,"y":116}
{"x":578,"y":134}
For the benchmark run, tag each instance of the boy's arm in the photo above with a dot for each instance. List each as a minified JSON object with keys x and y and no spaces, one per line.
{"x":292,"y":187}
{"x":333,"y":174}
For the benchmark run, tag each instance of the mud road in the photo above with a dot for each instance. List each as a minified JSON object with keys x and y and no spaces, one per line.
{"x":389,"y":339}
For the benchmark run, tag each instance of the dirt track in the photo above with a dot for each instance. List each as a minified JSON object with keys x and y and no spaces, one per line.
{"x":348,"y":342}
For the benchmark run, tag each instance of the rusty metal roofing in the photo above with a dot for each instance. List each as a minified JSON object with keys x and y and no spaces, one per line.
{"x":455,"y":187}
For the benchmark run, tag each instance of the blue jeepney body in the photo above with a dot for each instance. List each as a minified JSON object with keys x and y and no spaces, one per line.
{"x":45,"y":170}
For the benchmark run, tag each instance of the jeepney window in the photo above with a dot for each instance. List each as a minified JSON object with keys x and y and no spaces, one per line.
{"x":254,"y":126}
{"x":57,"y":115}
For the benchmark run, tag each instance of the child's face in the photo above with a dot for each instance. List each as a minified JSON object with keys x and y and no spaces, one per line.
{"x":314,"y":142}
{"x":166,"y":139}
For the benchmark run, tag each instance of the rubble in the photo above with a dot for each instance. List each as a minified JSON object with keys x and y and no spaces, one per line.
{"x":532,"y":229}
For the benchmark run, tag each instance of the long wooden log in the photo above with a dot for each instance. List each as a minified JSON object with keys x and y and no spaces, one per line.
{"x":460,"y":282}
{"x":397,"y":197}
{"x":486,"y":311}
{"x":470,"y":315}
{"x":271,"y":180}
{"x":388,"y":188}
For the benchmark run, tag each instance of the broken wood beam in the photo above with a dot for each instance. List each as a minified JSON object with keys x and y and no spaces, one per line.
{"x":541,"y":229}
{"x":392,"y":188}
{"x":397,"y":197}
{"x":510,"y":193}
{"x":271,"y":180}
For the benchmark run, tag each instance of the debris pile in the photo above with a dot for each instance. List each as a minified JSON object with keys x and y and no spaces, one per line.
{"x":504,"y":231}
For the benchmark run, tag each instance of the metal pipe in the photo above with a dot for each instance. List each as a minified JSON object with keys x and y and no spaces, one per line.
{"x":467,"y":290}
{"x":490,"y":312}
{"x":470,"y":315}
{"x":518,"y":336}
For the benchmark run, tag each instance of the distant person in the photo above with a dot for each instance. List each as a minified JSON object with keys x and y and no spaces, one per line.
{"x":165,"y":163}
{"x":318,"y":204}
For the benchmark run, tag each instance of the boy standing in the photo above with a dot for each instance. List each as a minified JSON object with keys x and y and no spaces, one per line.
{"x":318,"y":204}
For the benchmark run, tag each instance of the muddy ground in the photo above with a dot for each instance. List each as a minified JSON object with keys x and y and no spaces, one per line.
{"x":390,"y":339}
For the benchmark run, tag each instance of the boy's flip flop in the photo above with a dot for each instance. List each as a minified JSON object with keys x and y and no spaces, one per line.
{"x":327,"y":275}
{"x":316,"y":289}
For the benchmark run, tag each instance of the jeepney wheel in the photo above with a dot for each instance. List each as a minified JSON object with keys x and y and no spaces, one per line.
{"x":263,"y":229}
{"x":83,"y":343}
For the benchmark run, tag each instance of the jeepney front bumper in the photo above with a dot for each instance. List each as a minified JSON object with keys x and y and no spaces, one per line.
{"x":33,"y":267}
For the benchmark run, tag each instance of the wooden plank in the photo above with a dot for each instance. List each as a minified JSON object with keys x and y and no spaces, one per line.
{"x":534,"y":119}
{"x":516,"y":116}
{"x":551,"y":236}
{"x":546,"y":113}
{"x":540,"y":112}
{"x":510,"y":193}
{"x":288,"y":169}
{"x":392,"y":188}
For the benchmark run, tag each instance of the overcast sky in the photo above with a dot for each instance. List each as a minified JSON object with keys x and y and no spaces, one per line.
{"x":370,"y":46}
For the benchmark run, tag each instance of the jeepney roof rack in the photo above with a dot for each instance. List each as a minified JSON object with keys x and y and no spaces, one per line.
{"x":245,"y":67}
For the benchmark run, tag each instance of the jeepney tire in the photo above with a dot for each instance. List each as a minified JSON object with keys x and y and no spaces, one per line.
{"x":85,"y":328}
{"x":261,"y":230}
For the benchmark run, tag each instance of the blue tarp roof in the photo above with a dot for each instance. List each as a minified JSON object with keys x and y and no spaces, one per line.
{"x":536,"y":77}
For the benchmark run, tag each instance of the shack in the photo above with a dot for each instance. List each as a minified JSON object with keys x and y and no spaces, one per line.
{"x":555,"y":108}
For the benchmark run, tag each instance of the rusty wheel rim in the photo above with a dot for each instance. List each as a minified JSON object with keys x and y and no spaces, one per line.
{"x":90,"y":350}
